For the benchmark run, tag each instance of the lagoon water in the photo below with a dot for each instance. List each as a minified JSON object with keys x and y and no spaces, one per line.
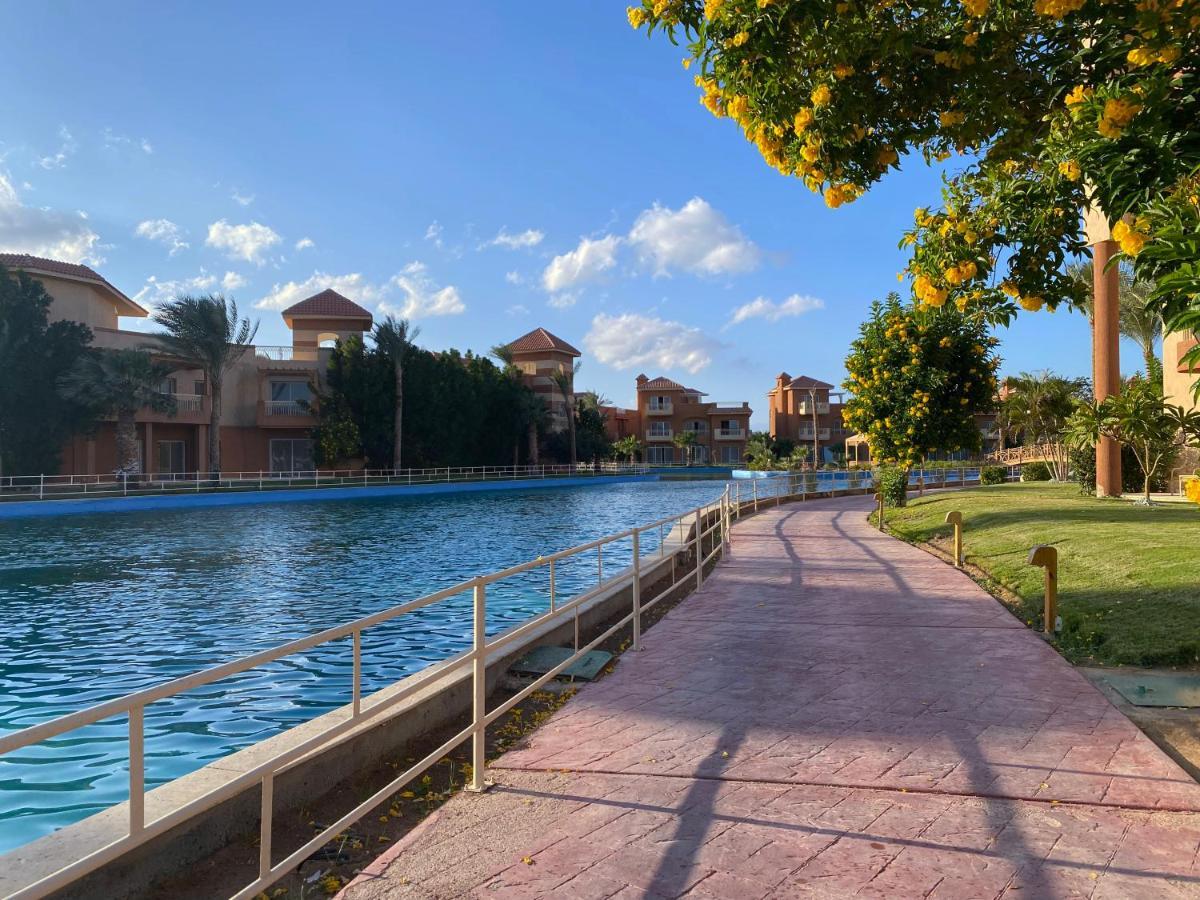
{"x":96,"y":606}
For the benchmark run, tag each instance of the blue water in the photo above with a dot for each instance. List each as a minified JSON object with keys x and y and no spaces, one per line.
{"x":96,"y":606}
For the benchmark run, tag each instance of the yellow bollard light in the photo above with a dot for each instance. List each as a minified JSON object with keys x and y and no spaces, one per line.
{"x":955,"y":518}
{"x":1046,"y":556}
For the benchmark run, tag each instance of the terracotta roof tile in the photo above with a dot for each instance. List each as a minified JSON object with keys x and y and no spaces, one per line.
{"x":328,"y":303}
{"x":541,"y":339}
{"x":805,"y":382}
{"x":660,"y":383}
{"x":34,"y":264}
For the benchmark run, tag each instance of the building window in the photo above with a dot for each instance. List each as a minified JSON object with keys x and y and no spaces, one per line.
{"x":172,"y":458}
{"x":696,"y":425}
{"x":293,"y":391}
{"x":660,"y":429}
{"x":199,"y":388}
{"x":660,"y":404}
{"x":291,"y":455}
{"x":168,"y":386}
{"x":660,"y":455}
{"x":731,"y":454}
{"x":699,"y":454}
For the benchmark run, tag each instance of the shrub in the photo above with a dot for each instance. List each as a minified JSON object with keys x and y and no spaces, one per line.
{"x":892,"y":484}
{"x":1035,"y":471}
{"x":993,"y":475}
{"x":1083,"y":471}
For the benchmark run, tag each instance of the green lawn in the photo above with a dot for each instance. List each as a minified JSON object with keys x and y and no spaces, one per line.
{"x":1129,"y":577}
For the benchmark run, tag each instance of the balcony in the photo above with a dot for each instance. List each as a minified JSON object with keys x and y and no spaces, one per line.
{"x":726,"y":406}
{"x":285,"y":414}
{"x":730,"y":434}
{"x":287,"y":358}
{"x":659,"y":434}
{"x":190,"y":409}
{"x":805,"y":408}
{"x":807,"y":434}
{"x":657,"y":408}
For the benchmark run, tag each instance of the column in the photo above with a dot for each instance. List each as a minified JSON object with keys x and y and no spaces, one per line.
{"x":1106,"y":360}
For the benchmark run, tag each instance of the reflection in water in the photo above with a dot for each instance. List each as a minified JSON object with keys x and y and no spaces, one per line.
{"x":94,"y":607}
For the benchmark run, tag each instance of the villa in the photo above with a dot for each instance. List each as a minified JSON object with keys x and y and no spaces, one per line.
{"x":267,"y":411}
{"x":541,"y":356}
{"x":807,"y":411}
{"x":665,"y":408}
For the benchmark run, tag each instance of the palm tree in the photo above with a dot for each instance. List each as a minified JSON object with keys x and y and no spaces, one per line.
{"x":532,"y":408}
{"x":627,"y":447}
{"x":1136,"y":320}
{"x":1038,"y":406}
{"x":120,"y":382}
{"x":205,"y":332}
{"x":394,"y":338}
{"x":564,"y":380}
{"x":685,"y":440}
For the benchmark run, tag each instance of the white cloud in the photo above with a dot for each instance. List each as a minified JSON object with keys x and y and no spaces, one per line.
{"x":762,"y":308}
{"x":585,"y":263}
{"x":67,"y":147}
{"x":518,"y":309}
{"x":115,"y":141}
{"x":247,"y":242}
{"x":162,"y":231}
{"x":232,"y":281}
{"x":242,"y":199}
{"x":305,"y":243}
{"x":563,"y":301}
{"x":44,"y":232}
{"x":695,"y":238}
{"x":633,"y":341}
{"x":513,"y":278}
{"x":352,"y":285}
{"x":434,"y":233}
{"x":146,"y":146}
{"x":422,"y":298}
{"x":530,"y":237}
{"x":155,"y":291}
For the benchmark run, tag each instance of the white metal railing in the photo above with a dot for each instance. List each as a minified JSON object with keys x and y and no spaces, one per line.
{"x":728,"y":404}
{"x":805,"y":408}
{"x":63,"y":487}
{"x":656,"y":407}
{"x":287,"y":408}
{"x":287,"y":354}
{"x":689,"y":533}
{"x":729,"y":434}
{"x":188,"y":403}
{"x":807,"y":435}
{"x":659,"y":434}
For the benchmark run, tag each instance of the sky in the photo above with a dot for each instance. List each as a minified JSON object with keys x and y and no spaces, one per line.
{"x":485,"y":173}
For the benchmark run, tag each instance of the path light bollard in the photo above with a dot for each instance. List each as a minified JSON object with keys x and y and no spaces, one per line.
{"x":479,"y":685}
{"x":955,"y":519}
{"x":879,"y":500}
{"x":1046,"y":556}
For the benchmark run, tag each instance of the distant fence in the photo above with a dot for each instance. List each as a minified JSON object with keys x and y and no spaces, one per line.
{"x":1033,"y":453}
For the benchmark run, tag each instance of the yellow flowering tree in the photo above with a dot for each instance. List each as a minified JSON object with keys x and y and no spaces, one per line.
{"x":917,"y":378}
{"x":1053,"y":104}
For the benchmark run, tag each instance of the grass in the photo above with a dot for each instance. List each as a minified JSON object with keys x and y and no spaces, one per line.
{"x":1129,"y":577}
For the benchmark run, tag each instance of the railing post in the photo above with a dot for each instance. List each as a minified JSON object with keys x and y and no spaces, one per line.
{"x":599,"y":563}
{"x":955,"y":518}
{"x":637,"y":592}
{"x":137,"y":770}
{"x":1047,"y":556}
{"x":479,"y":684}
{"x":42,"y":487}
{"x":699,"y":552}
{"x":356,"y":688}
{"x":552,"y":585}
{"x":754,"y":488}
{"x":879,"y":500}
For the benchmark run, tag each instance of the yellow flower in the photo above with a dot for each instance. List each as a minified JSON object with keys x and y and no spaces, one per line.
{"x":1168,"y":55}
{"x":811,"y":151}
{"x":821,"y":96}
{"x":738,"y":39}
{"x":1009,"y":288}
{"x":887,"y":157}
{"x":1056,"y":9}
{"x":1069,"y":170}
{"x":837,"y":194}
{"x":976,"y":8}
{"x":1079,"y":94}
{"x":686,"y":62}
{"x":971,"y":39}
{"x":661,"y":6}
{"x":1130,"y":239}
{"x":1141,"y":56}
{"x":637,"y":16}
{"x":739,"y":107}
{"x":802,"y":120}
{"x":1033,"y":303}
{"x":950,"y":118}
{"x":842,"y":70}
{"x":712,"y":8}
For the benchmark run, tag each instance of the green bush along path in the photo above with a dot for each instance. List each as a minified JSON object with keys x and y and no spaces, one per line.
{"x":1129,"y":577}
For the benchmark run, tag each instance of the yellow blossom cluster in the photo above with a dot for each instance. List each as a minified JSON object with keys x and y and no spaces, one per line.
{"x":952,"y":117}
{"x":821,"y":96}
{"x":713,"y":100}
{"x":804,"y":118}
{"x":976,"y":8}
{"x":1079,"y":94}
{"x":837,"y":194}
{"x":738,"y":39}
{"x":929,"y":293}
{"x":1031,"y":303}
{"x":1146,"y":56}
{"x":1069,"y":170}
{"x":1131,"y":238}
{"x":1056,"y":9}
{"x":842,"y":70}
{"x":887,"y":157}
{"x":1116,"y":115}
{"x":964,"y":271}
{"x":712,"y":8}
{"x":637,"y":16}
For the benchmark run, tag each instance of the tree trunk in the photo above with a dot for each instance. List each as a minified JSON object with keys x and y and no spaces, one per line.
{"x":127,"y":450}
{"x":214,"y":429}
{"x":398,"y":423}
{"x":533,"y":444}
{"x":571,"y":429}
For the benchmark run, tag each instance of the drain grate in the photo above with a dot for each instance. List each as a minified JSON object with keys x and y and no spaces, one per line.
{"x":542,"y":659}
{"x":1157,"y":690}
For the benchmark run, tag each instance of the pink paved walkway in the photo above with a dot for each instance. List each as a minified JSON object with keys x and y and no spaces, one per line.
{"x":835,"y":714}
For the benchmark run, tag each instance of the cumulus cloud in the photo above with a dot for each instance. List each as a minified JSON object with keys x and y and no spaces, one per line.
{"x":422,"y":298}
{"x":352,"y":285}
{"x":44,"y":232}
{"x":762,"y":308}
{"x":305,"y":243}
{"x":633,"y":341}
{"x":247,"y":242}
{"x":694,"y":238}
{"x":232,"y":281}
{"x":530,"y":237}
{"x":156,"y":290}
{"x":162,"y":231}
{"x":587,"y":262}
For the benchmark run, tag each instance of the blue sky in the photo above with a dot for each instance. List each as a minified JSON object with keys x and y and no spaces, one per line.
{"x":273,"y":149}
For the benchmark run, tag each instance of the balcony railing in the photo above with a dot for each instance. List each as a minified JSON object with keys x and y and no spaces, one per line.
{"x":187,"y":403}
{"x":807,"y":434}
{"x":730,"y":434}
{"x":656,"y":408}
{"x":287,"y":354}
{"x":729,"y":404}
{"x":659,"y":434}
{"x":287,"y":408}
{"x":806,"y":409}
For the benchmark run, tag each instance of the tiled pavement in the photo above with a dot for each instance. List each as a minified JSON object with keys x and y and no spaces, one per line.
{"x":835,"y":714}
